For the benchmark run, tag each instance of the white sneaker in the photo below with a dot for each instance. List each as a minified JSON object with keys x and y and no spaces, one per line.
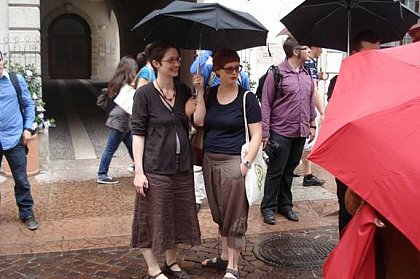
{"x":131,"y":168}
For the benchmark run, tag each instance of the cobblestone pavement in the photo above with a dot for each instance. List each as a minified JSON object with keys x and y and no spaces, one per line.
{"x":122,"y":262}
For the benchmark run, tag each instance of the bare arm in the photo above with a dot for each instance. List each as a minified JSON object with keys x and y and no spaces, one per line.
{"x":140,"y":181}
{"x":318,"y":101}
{"x":255,"y":129}
{"x":141,"y":82}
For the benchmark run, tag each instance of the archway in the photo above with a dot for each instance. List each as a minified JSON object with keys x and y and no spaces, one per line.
{"x":69,"y":41}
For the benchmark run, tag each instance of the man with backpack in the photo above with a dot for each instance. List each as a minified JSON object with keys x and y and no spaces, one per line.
{"x":17,"y":114}
{"x":288,"y":118}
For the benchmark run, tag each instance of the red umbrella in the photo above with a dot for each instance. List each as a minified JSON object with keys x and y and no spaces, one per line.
{"x":356,"y":248}
{"x":370,"y":138}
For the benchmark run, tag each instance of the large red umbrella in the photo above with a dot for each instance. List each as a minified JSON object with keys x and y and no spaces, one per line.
{"x":370,"y":138}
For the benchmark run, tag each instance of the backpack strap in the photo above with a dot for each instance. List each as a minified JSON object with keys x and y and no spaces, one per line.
{"x":15,"y":81}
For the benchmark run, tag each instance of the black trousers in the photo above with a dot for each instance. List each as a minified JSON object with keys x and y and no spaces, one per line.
{"x":278,"y":182}
{"x":344,"y":216}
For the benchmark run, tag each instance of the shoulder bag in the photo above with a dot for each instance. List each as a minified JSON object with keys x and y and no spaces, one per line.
{"x":255,"y":177}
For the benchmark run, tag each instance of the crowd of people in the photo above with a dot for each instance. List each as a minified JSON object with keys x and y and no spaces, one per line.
{"x":157,"y":137}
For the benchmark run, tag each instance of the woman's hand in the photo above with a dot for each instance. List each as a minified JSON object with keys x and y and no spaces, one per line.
{"x":198,"y":81}
{"x":244,"y":169}
{"x":190,"y":106}
{"x":141,"y":183}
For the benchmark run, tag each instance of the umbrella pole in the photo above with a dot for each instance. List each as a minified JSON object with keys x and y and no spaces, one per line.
{"x":348,"y":30}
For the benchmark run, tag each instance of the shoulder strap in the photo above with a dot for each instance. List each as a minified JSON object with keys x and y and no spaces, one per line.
{"x":15,"y":82}
{"x":245,"y":119}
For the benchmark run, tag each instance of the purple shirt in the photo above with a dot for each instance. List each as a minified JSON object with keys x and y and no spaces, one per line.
{"x":289,"y":109}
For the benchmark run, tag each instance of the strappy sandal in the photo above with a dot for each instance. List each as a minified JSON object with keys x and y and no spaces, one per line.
{"x":233,"y":272}
{"x":181,"y":274}
{"x":216,"y":262}
{"x":153,"y":276}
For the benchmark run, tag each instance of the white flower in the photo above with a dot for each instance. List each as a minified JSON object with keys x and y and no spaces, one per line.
{"x":40,"y":109}
{"x":34,"y":96}
{"x":41,"y":116}
{"x":28,"y":73}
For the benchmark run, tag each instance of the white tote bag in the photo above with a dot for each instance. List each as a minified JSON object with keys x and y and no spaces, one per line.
{"x":125,"y":98}
{"x":255,"y":177}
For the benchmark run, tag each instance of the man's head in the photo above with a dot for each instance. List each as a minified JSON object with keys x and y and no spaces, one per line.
{"x":295,"y":50}
{"x":315,"y":52}
{"x":414,"y":32}
{"x":1,"y":64}
{"x":365,"y":40}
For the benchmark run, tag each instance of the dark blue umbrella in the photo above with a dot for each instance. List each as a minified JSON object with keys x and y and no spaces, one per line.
{"x":202,"y":26}
{"x":331,"y":23}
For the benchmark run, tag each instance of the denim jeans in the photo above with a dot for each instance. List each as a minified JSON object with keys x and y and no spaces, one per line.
{"x":114,"y":139}
{"x":16,"y":157}
{"x":279,"y":178}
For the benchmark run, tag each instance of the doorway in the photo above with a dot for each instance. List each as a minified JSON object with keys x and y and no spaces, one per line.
{"x":69,"y":39}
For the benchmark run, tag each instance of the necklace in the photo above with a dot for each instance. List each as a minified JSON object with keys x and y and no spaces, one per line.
{"x":162,"y":94}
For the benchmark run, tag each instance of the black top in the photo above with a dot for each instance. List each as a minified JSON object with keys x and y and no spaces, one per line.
{"x":224,"y":124}
{"x":152,"y":119}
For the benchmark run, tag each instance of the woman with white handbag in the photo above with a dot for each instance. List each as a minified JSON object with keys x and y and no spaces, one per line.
{"x":118,"y":121}
{"x":224,"y":170}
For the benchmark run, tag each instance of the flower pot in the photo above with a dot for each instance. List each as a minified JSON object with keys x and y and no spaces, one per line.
{"x":32,"y":167}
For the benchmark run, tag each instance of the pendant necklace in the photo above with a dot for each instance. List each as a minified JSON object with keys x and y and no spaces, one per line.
{"x":162,"y":94}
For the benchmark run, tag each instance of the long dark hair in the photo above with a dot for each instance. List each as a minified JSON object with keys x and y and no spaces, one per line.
{"x":124,"y":74}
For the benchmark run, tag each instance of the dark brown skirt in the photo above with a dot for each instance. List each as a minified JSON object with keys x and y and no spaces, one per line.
{"x":225,"y":187}
{"x":167,"y":216}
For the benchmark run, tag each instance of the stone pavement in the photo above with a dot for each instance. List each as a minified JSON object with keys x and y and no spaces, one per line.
{"x":85,"y":228}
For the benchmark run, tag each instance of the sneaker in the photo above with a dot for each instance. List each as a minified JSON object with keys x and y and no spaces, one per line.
{"x":106,"y":180}
{"x":131,"y":168}
{"x":31,"y":223}
{"x":312,"y":180}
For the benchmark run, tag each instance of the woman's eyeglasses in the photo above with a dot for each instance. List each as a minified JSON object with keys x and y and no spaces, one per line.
{"x":173,"y":60}
{"x":231,"y":69}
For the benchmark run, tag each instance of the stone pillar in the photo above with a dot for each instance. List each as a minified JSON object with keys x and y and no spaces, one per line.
{"x":4,"y":22}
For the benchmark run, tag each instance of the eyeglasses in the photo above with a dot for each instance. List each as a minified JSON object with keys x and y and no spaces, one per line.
{"x":231,"y":69}
{"x":173,"y":60}
{"x":301,"y":48}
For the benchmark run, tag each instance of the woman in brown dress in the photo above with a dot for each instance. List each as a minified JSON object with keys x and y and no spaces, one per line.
{"x":165,"y":213}
{"x":222,"y":166}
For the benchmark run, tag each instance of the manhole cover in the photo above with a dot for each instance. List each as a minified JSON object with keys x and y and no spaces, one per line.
{"x":293,"y":252}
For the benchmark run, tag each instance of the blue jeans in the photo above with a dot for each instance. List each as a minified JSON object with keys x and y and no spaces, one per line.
{"x":16,"y":157}
{"x":114,"y":139}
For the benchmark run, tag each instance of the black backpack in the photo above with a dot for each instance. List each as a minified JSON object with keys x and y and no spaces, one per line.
{"x":277,"y":80}
{"x":15,"y":82}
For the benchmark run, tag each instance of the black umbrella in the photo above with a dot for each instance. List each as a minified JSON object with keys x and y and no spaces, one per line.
{"x":331,"y":23}
{"x":199,"y":25}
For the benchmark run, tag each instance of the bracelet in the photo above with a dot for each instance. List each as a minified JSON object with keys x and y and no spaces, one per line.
{"x":312,"y":127}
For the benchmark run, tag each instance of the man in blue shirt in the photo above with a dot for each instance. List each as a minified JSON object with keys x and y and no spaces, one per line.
{"x":15,"y":132}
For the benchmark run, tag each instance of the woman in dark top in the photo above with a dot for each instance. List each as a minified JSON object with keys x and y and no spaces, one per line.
{"x":164,"y":213}
{"x":222,"y":166}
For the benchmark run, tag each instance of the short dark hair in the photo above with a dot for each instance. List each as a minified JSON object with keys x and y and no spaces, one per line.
{"x":157,"y":50}
{"x":364,"y":36}
{"x":289,"y":45}
{"x":224,"y":56}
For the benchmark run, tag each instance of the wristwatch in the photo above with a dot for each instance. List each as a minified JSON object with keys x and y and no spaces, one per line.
{"x":246,"y":163}
{"x":29,"y":130}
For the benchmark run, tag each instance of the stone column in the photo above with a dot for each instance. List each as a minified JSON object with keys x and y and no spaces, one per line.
{"x":4,"y":22}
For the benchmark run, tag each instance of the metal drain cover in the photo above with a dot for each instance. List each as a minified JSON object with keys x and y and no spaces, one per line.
{"x":293,"y":252}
